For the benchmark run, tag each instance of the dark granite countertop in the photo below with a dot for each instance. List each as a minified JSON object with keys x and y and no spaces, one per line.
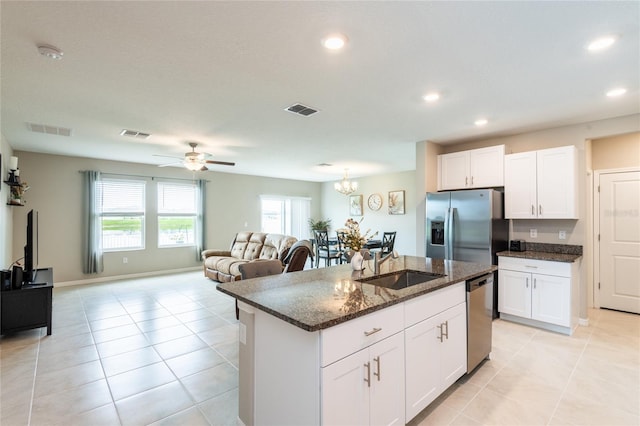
{"x":541,"y":255}
{"x":544,"y":251}
{"x":316,"y":299}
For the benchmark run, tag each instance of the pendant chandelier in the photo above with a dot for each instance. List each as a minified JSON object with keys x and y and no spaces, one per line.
{"x":345,"y":186}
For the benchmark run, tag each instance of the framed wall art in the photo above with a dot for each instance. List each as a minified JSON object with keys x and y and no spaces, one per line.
{"x":355,"y":205}
{"x":396,"y":202}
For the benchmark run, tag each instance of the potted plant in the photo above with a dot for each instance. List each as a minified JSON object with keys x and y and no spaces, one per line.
{"x":319,"y":225}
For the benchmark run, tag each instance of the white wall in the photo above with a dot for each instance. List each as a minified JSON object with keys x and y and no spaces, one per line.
{"x":6,"y":212}
{"x":56,"y":193}
{"x":335,"y":206}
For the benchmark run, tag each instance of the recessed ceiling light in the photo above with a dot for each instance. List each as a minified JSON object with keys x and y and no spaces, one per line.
{"x":431,"y":97}
{"x":619,"y":91}
{"x":481,"y":122}
{"x":601,"y":43}
{"x":50,"y":52}
{"x":334,"y":41}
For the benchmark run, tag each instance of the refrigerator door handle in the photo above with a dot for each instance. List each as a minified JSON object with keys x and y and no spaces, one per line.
{"x":449,"y":248}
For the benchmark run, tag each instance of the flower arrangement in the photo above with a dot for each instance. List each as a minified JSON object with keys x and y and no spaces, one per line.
{"x":353,"y":239}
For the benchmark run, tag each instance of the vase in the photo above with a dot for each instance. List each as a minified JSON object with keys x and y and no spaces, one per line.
{"x":357,"y":261}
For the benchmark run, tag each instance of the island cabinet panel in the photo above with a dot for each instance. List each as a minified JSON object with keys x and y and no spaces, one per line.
{"x":436,"y":356}
{"x":346,"y":338}
{"x":366,"y":387}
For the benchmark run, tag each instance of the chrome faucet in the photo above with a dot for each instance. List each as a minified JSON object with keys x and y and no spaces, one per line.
{"x":379,"y":260}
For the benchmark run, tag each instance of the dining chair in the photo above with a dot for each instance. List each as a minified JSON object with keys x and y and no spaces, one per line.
{"x":255,"y":269}
{"x":325,"y":250}
{"x":388,"y":241}
{"x":297,"y":256}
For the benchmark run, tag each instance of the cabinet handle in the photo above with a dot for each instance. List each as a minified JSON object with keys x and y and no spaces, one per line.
{"x":534,"y":282}
{"x":446,"y":325}
{"x":377,"y":372}
{"x":471,"y":180}
{"x":533,"y":210}
{"x":527,"y":285}
{"x":540,"y":209}
{"x":440,"y":336}
{"x":466,"y":180}
{"x":375,"y":330}
{"x":531,"y":266}
{"x":368,"y":378}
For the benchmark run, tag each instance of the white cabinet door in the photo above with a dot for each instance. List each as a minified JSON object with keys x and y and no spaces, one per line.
{"x":366,"y":387}
{"x":514,"y":293}
{"x":436,"y":356}
{"x":454,"y":345}
{"x":454,"y":170}
{"x":486,"y":167}
{"x":387,"y":381}
{"x":422,"y":356}
{"x":345,"y":394}
{"x":556,"y":174}
{"x":476,"y":168}
{"x":541,"y":184}
{"x":550,"y":299}
{"x":520,"y":201}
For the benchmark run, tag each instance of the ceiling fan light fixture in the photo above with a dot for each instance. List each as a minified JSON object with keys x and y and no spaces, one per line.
{"x":346,"y":186}
{"x":192,"y":165}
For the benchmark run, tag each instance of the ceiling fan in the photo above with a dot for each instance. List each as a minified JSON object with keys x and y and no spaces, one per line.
{"x":194,"y":161}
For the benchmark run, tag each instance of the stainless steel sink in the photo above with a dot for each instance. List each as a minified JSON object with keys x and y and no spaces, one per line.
{"x":401,"y":279}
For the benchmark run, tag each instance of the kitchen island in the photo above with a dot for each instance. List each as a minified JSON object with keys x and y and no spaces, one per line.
{"x":322,"y":347}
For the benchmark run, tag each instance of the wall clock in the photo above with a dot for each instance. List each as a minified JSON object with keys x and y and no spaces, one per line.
{"x":374,"y":202}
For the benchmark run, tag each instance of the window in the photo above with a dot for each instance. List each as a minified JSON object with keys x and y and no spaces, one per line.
{"x":285,"y":215}
{"x":121,"y":206}
{"x":177,"y":212}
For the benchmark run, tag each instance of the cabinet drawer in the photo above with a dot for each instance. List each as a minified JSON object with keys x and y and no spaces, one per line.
{"x":423,"y":307}
{"x":351,"y":336}
{"x":545,"y":267}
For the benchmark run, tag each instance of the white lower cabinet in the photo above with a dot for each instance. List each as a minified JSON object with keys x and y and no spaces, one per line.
{"x":436,"y":356}
{"x":366,"y":387}
{"x":541,"y":291}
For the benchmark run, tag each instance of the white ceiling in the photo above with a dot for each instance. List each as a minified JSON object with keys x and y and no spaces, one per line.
{"x":222,"y":73}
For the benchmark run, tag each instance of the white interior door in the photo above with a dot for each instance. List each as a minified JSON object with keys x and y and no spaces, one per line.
{"x":619,"y":254}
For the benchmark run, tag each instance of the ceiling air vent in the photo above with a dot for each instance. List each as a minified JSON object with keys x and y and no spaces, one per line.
{"x":301,"y":110}
{"x":49,"y":130}
{"x":134,"y":134}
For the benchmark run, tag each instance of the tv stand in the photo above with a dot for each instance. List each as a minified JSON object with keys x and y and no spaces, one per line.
{"x":29,"y":307}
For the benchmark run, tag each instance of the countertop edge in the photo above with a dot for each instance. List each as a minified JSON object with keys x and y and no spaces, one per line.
{"x":350,"y":316}
{"x":539,"y":255}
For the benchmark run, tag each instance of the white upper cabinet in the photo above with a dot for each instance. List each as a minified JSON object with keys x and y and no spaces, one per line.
{"x":476,"y":168}
{"x":541,"y":184}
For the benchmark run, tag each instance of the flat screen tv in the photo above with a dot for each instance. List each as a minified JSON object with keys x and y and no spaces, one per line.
{"x":31,"y":249}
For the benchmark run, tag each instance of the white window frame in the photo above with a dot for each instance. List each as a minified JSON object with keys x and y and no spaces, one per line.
{"x":294,"y":215}
{"x":112,"y":212}
{"x":177,"y":212}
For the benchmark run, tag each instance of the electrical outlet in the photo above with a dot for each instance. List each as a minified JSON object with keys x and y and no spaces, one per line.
{"x":125,"y":260}
{"x":246,"y":224}
{"x":562,"y":235}
{"x":533,"y":233}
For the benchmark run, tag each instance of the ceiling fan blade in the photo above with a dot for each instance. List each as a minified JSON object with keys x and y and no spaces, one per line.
{"x":170,"y":164}
{"x":223,"y":163}
{"x":167,"y":156}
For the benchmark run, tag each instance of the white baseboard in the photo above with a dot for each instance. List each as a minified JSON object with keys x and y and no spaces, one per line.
{"x":125,"y":277}
{"x":583,"y":322}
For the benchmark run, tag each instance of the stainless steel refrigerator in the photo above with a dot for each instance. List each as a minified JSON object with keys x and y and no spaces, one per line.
{"x":468,"y":226}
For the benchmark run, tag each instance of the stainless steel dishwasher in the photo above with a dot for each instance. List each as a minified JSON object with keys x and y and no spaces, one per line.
{"x":479,"y":319}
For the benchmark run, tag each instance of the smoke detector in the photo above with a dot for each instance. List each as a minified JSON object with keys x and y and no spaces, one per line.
{"x":50,"y":52}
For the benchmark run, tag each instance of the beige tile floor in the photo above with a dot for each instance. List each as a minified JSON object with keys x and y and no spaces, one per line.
{"x":163,"y":351}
